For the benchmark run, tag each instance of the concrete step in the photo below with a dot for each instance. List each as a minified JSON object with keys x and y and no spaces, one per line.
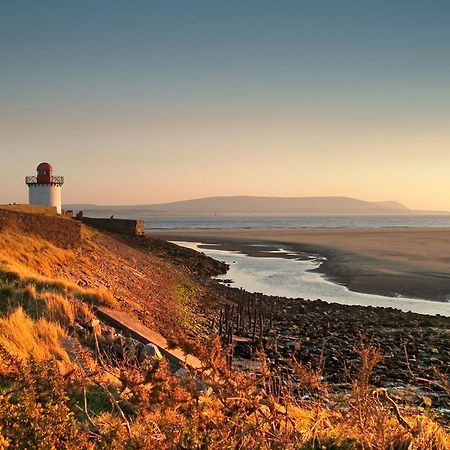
{"x":140,"y":332}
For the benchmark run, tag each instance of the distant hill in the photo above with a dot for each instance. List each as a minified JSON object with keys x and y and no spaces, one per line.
{"x":257,"y":205}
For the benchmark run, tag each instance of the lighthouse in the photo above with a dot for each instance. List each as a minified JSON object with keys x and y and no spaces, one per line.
{"x":44,"y":188}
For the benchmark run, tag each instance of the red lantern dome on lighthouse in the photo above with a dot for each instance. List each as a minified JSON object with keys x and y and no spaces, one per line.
{"x":44,"y":173}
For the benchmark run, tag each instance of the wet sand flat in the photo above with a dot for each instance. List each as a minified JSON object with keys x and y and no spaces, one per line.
{"x":388,"y":261}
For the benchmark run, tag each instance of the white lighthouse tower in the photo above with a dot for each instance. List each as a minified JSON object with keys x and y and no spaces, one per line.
{"x":44,"y":188}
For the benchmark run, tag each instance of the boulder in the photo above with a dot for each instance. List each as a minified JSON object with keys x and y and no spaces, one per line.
{"x":149,"y":351}
{"x":107,"y":337}
{"x":118,"y":345}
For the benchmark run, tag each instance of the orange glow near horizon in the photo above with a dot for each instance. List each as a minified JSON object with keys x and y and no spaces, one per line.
{"x":151,"y":163}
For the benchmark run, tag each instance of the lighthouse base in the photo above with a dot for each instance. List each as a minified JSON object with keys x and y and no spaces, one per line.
{"x":45,"y":195}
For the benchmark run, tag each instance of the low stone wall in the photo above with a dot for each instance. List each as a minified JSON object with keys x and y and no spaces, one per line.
{"x":120,"y":226}
{"x":32,"y":209}
{"x":63,"y":232}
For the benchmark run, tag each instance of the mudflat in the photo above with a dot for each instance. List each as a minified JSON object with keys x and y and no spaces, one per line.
{"x":407,"y":261}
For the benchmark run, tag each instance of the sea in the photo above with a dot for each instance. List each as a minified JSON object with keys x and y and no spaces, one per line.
{"x":273,"y":222}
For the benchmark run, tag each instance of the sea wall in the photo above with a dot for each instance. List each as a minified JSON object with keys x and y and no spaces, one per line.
{"x":61,"y":231}
{"x":120,"y":226}
{"x":33,"y":209}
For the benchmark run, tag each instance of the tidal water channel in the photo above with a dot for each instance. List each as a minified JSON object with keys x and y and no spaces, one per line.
{"x":295,"y":277}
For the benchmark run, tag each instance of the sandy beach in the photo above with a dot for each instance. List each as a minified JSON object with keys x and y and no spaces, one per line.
{"x":387,"y":261}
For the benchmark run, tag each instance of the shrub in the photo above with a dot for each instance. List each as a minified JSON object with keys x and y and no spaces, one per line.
{"x":34,"y":413}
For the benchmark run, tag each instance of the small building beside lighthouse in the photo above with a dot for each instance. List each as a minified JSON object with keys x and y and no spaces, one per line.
{"x":44,"y":188}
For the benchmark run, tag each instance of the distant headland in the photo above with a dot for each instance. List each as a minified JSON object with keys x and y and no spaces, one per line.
{"x":262,"y":205}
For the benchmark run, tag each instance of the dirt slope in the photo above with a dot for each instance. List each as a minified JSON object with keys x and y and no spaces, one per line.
{"x":163,"y":295}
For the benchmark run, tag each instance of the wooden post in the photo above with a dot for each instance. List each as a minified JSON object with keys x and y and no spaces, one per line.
{"x":221,"y":322}
{"x":260,"y":327}
{"x":254,"y":324}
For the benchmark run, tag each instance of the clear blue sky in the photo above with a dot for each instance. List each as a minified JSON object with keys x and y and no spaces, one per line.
{"x":147,"y":101}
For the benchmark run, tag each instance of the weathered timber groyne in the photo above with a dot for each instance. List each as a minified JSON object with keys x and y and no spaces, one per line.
{"x":328,"y":338}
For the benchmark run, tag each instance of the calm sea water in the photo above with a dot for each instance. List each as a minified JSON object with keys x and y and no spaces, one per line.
{"x":294,"y":278}
{"x":190,"y":222}
{"x":268,"y":222}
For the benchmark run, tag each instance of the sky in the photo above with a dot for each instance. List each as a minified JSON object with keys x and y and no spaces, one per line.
{"x":140,"y":102}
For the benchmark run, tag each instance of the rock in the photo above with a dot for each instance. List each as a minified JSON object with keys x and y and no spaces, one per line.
{"x":130,"y":348}
{"x":108,"y":335}
{"x":149,"y":351}
{"x":118,"y":345}
{"x":181,"y":373}
{"x":139,"y":349}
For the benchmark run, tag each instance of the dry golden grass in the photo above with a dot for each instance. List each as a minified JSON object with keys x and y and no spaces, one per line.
{"x":29,"y":255}
{"x":31,"y":260}
{"x":65,"y":311}
{"x":22,"y":337}
{"x":99,"y":297}
{"x":58,"y":308}
{"x":63,"y":308}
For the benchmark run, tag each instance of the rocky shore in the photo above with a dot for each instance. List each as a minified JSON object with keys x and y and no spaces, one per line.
{"x":327,"y":338}
{"x":191,"y":260}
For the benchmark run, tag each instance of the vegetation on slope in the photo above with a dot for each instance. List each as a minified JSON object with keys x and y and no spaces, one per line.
{"x":59,"y":390}
{"x":125,"y":407}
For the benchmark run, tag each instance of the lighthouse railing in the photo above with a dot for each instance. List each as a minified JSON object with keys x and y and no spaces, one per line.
{"x":33,"y":179}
